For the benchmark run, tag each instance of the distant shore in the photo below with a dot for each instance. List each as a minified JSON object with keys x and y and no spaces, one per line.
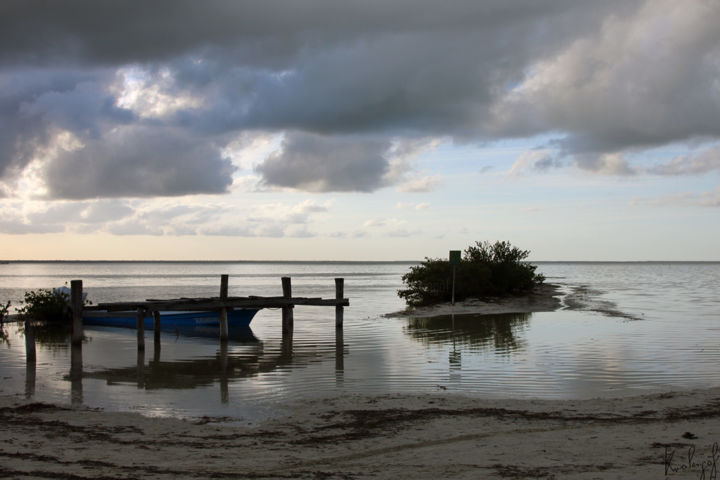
{"x":381,"y":437}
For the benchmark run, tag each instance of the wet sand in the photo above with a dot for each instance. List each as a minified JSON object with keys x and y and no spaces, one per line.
{"x":670,"y":435}
{"x":545,"y":298}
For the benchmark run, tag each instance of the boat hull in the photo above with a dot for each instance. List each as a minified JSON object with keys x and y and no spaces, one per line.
{"x":171,"y":320}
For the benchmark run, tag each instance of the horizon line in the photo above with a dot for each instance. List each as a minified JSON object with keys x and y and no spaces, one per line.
{"x":7,"y":261}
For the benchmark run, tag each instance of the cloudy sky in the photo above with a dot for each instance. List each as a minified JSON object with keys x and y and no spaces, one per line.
{"x":369,"y":129}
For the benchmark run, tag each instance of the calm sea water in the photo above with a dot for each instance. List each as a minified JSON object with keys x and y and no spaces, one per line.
{"x":673,"y":343}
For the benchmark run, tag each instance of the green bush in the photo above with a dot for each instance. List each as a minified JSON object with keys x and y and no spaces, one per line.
{"x":45,"y":305}
{"x":4,"y":312}
{"x":486,"y":270}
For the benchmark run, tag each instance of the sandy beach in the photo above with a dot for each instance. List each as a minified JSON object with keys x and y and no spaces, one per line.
{"x":670,"y":435}
{"x":544,"y":298}
{"x":547,"y":297}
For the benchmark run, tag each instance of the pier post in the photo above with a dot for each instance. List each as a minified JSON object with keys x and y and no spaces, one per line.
{"x":339,"y":293}
{"x":76,"y":374}
{"x":141,"y":328}
{"x":156,"y":327}
{"x":140,"y":372}
{"x":339,"y":351}
{"x":224,"y":380}
{"x":287,"y":311}
{"x":30,"y":360}
{"x":222,"y":315}
{"x":30,"y":352}
{"x":76,"y":303}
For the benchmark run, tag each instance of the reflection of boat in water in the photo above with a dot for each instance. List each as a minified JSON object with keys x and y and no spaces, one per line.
{"x":171,"y":320}
{"x":236,"y":333}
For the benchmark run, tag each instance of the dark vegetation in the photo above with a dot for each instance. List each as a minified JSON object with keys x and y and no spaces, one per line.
{"x":48,"y":306}
{"x":497,"y":269}
{"x":4,"y":312}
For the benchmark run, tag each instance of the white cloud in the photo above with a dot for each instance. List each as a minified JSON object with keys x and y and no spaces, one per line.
{"x":419,"y":184}
{"x":701,"y":163}
{"x":412,"y":206}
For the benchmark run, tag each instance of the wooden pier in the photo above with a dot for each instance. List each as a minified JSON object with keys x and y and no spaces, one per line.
{"x":221,"y":304}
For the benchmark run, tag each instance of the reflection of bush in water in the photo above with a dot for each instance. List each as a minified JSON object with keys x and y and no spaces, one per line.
{"x":50,"y":335}
{"x":4,"y":337}
{"x":470,"y":330}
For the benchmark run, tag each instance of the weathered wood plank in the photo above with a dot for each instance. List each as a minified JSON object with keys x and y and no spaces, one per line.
{"x":213,"y":304}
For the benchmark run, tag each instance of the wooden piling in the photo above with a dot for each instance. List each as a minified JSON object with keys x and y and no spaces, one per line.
{"x":76,"y":374}
{"x":339,"y":350}
{"x":30,"y":360}
{"x":222,"y":315}
{"x":287,"y":311}
{"x":141,"y":329}
{"x":156,"y":326}
{"x":76,"y":303}
{"x":339,"y":292}
{"x":30,"y":351}
{"x":140,"y":372}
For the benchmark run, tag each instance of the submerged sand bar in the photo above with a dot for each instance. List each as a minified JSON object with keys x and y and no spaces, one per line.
{"x":671,"y":435}
{"x":545,"y":298}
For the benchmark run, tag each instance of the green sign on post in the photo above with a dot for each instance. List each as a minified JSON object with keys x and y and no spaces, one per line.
{"x":455,"y":258}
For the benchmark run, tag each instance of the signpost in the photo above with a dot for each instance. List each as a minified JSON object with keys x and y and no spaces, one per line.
{"x":455,"y":259}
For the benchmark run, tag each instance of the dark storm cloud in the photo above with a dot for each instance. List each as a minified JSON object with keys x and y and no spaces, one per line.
{"x":139,"y":162}
{"x":20,"y":130}
{"x":322,"y":164}
{"x":604,"y":77}
{"x":260,"y":32}
{"x":646,"y":79}
{"x":35,"y":103}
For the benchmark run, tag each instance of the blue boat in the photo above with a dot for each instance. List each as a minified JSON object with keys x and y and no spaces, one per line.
{"x":170,"y":320}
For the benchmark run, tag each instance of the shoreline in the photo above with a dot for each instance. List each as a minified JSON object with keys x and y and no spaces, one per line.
{"x":381,"y":437}
{"x":543,"y":298}
{"x":547,"y":297}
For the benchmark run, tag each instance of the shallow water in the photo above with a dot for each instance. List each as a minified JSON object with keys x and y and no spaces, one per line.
{"x":563,"y":354}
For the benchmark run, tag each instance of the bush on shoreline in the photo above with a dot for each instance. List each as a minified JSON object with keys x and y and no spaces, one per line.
{"x":4,"y":312}
{"x":486,"y":269}
{"x":49,"y":306}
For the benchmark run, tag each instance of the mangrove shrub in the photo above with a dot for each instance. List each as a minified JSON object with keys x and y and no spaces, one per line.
{"x":496,"y":269}
{"x":45,"y":305}
{"x":4,"y":312}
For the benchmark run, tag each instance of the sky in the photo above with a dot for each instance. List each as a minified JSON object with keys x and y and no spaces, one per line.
{"x":359,"y":130}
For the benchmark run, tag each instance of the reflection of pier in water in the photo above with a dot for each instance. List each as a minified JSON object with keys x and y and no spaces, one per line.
{"x":242,"y":357}
{"x":256,"y":357}
{"x":499,"y":332}
{"x":245,"y":356}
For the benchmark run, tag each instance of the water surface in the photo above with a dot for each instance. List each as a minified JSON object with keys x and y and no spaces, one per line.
{"x":675,"y":343}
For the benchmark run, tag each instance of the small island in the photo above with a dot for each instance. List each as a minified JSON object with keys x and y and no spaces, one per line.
{"x":491,"y":278}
